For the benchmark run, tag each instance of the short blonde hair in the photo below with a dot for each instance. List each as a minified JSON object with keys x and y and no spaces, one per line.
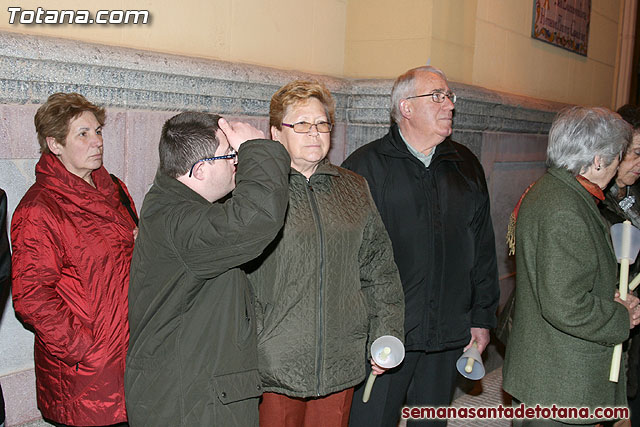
{"x":53,"y":117}
{"x":298,"y":92}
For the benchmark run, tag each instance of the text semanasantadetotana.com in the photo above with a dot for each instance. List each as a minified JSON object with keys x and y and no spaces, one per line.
{"x":17,"y":15}
{"x":514,"y":412}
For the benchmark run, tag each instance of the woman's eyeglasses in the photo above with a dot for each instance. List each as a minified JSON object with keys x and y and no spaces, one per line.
{"x":305,"y":127}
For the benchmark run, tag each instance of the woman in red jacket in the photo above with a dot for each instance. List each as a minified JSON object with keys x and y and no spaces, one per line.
{"x":72,"y":237}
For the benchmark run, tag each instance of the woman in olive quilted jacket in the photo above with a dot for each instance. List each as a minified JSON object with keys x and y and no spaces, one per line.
{"x":327,"y":286}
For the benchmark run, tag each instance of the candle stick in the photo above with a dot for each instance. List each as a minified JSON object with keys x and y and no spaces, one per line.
{"x":614,"y":373}
{"x":634,"y":283}
{"x":468,"y":368}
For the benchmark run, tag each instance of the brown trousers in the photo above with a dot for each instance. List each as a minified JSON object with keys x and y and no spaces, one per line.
{"x":278,"y":410}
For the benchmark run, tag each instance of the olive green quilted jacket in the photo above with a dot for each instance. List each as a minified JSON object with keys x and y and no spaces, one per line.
{"x":326,"y":287}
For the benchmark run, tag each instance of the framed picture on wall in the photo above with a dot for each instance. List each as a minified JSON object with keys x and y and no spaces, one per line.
{"x":563,"y":23}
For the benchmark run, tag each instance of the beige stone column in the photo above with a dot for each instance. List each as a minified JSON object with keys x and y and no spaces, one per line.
{"x":624,"y":66}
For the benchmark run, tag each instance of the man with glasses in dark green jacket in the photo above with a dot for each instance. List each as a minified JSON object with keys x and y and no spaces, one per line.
{"x":192,"y":351}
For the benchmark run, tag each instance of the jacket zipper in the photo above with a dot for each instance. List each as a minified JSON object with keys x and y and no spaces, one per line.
{"x":316,"y":216}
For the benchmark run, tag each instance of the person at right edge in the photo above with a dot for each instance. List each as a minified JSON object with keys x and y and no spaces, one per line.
{"x":622,"y":202}
{"x":568,"y":316}
{"x":432,"y":195}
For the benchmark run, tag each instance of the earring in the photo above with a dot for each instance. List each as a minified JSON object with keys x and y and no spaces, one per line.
{"x":598,"y":168}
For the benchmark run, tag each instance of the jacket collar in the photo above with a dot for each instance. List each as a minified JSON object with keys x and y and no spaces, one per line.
{"x":104,"y":200}
{"x":397,"y":148}
{"x":182,"y":192}
{"x":325,"y":168}
{"x":592,"y":188}
{"x":570,"y":180}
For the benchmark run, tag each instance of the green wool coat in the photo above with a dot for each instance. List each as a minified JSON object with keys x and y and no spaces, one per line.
{"x":566,"y":322}
{"x":192,"y":357}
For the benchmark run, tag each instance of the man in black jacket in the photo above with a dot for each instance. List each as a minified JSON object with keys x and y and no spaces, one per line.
{"x":432,"y":195}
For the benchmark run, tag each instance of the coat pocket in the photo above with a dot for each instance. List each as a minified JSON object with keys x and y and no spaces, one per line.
{"x":237,"y":386}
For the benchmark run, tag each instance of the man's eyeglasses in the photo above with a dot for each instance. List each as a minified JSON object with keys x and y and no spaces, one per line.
{"x":305,"y":127}
{"x":438,"y":96}
{"x":232,"y":155}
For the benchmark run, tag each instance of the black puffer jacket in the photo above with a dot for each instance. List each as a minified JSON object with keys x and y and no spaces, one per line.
{"x":439,"y":222}
{"x":325,"y":288}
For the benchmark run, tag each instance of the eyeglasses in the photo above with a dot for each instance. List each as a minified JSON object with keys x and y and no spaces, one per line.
{"x":232,"y":155}
{"x":305,"y":127}
{"x":438,"y":96}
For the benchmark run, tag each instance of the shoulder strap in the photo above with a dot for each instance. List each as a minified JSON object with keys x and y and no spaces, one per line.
{"x":124,"y":199}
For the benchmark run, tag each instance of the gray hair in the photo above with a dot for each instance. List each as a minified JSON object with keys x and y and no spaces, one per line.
{"x":405,"y":86}
{"x":578,"y":134}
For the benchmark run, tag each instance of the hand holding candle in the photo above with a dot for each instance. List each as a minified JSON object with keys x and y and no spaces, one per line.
{"x":387,"y":352}
{"x":632,"y":304}
{"x":468,"y":368}
{"x":626,"y":246}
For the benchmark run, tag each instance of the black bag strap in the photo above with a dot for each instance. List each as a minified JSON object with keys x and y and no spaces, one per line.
{"x":124,"y":199}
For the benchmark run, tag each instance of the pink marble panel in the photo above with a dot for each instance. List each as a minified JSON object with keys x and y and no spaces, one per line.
{"x":18,"y":138}
{"x":338,"y":150}
{"x":511,"y":147}
{"x":142,"y":133}
{"x":114,"y":134}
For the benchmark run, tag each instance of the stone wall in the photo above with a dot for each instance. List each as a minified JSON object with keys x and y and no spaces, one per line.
{"x":142,"y":89}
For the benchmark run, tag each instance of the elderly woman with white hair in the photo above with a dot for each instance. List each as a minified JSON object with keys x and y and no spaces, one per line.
{"x":568,"y":316}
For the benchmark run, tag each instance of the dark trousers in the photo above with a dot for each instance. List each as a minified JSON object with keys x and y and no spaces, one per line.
{"x":634,"y":407}
{"x":423,"y":379}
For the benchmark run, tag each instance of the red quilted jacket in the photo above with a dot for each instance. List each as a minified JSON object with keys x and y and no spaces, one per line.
{"x":72,"y":247}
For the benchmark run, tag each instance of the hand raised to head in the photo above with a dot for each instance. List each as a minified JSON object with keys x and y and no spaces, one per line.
{"x":239,"y":132}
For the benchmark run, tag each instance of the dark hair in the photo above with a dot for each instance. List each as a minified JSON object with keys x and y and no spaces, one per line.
{"x":631,"y":114}
{"x":185,"y":139}
{"x":53,"y":117}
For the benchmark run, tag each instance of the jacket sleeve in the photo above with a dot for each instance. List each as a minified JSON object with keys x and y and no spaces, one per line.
{"x":484,"y":276}
{"x":380,"y":280}
{"x":225,"y":235}
{"x":37,"y":262}
{"x":566,"y":270}
{"x":5,"y":254}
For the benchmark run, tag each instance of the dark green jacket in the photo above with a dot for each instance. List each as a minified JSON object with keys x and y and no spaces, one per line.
{"x":326,"y":287}
{"x":565,"y":321}
{"x":192,"y":352}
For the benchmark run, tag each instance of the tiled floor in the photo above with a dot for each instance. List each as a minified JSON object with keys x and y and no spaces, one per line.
{"x":488,"y":392}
